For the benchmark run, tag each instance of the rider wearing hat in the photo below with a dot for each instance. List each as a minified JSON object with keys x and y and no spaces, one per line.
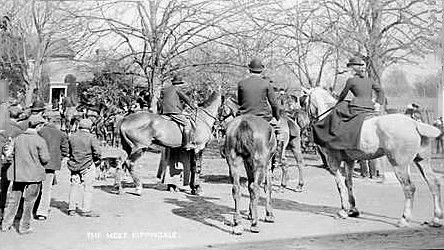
{"x":172,"y":106}
{"x":255,"y":94}
{"x":342,"y":127}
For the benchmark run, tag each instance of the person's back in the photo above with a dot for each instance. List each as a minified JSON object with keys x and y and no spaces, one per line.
{"x":84,"y":150}
{"x":256,"y":95}
{"x":171,"y":103}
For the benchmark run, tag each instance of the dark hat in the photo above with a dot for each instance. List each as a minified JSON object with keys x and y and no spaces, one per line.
{"x":355,"y":61}
{"x":256,"y":65}
{"x":177,"y":79}
{"x":85,"y":123}
{"x":15,"y":112}
{"x":35,"y":120}
{"x":38,"y":106}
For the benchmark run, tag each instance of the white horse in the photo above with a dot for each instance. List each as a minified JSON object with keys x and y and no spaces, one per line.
{"x":403,"y":140}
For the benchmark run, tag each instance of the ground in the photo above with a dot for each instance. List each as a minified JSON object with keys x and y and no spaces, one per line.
{"x":163,"y":220}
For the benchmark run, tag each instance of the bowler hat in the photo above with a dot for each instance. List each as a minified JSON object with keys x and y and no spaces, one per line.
{"x":256,"y":65}
{"x":85,"y":123}
{"x":38,"y":106}
{"x":177,"y":79}
{"x":35,"y":120}
{"x":15,"y":112}
{"x":355,"y":61}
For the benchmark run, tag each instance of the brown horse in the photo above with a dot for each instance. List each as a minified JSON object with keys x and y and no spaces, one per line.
{"x":250,"y":143}
{"x":403,"y":140}
{"x":141,"y":130}
{"x":291,"y":139}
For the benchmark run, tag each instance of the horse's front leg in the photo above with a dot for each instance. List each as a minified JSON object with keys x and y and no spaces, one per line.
{"x":353,"y":211}
{"x":409,"y":193}
{"x":196,"y":168}
{"x":295,"y":145}
{"x":334,"y":167}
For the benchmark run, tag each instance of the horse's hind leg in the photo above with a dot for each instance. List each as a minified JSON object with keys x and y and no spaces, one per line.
{"x":235,"y":164}
{"x":435,"y":188}
{"x":334,"y":168}
{"x":130,"y":163}
{"x":269,"y":217}
{"x":353,"y":211}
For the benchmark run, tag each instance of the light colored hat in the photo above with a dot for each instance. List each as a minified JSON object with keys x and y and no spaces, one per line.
{"x":85,"y":124}
{"x":35,"y":120}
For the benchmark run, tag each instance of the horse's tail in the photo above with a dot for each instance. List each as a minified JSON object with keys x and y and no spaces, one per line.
{"x":427,"y":130}
{"x":244,"y":140}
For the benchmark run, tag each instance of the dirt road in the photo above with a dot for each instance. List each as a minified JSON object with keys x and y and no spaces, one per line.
{"x":164,"y":220}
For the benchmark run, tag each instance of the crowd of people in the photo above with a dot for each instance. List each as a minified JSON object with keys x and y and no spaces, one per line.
{"x":33,"y":149}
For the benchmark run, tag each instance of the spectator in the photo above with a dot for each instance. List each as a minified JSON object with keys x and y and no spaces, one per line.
{"x":84,"y":152}
{"x":13,"y":131}
{"x":57,"y":142}
{"x":26,"y":174}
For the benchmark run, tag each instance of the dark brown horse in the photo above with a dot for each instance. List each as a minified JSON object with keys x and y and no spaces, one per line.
{"x":250,"y":143}
{"x":139,"y":131}
{"x":291,"y":124}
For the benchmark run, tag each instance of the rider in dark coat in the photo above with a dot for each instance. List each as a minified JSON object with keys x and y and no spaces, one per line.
{"x":341,"y":129}
{"x":255,"y":94}
{"x":172,"y":106}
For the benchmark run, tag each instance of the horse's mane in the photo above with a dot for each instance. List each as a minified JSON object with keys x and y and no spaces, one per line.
{"x":209,"y":100}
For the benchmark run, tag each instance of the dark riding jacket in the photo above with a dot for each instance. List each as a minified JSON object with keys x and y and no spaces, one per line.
{"x":362,"y":88}
{"x":172,"y":100}
{"x":256,"y":96}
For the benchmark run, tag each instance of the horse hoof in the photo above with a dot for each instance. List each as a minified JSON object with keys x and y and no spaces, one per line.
{"x":254,"y":229}
{"x":238,"y":230}
{"x":434,"y":223}
{"x":197,"y":191}
{"x":353,"y":213}
{"x":402,"y":223}
{"x":269,"y":218}
{"x":300,"y":188}
{"x":342,"y":214}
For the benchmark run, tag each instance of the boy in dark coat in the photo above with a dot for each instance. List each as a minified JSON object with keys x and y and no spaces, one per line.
{"x":57,"y":142}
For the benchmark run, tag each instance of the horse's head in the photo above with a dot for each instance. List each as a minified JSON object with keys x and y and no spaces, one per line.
{"x":318,"y":101}
{"x":227,"y":109}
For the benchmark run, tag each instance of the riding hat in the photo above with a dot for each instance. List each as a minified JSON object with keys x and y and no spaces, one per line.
{"x":256,"y":66}
{"x":15,"y":112}
{"x":38,"y":106}
{"x":85,"y":124}
{"x":355,"y":61}
{"x":177,"y":79}
{"x":35,"y":120}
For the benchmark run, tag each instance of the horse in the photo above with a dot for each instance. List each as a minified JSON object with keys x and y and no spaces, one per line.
{"x":403,"y":140}
{"x":250,"y":142}
{"x":290,"y":140}
{"x":71,"y":119}
{"x":139,"y":131}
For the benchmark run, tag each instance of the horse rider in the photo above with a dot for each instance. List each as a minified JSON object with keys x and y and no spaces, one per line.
{"x":413,"y":112}
{"x":255,"y":95}
{"x":341,"y":128}
{"x":172,"y":106}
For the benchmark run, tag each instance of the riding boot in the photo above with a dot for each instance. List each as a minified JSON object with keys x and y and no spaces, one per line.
{"x":188,"y":139}
{"x":279,"y":154}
